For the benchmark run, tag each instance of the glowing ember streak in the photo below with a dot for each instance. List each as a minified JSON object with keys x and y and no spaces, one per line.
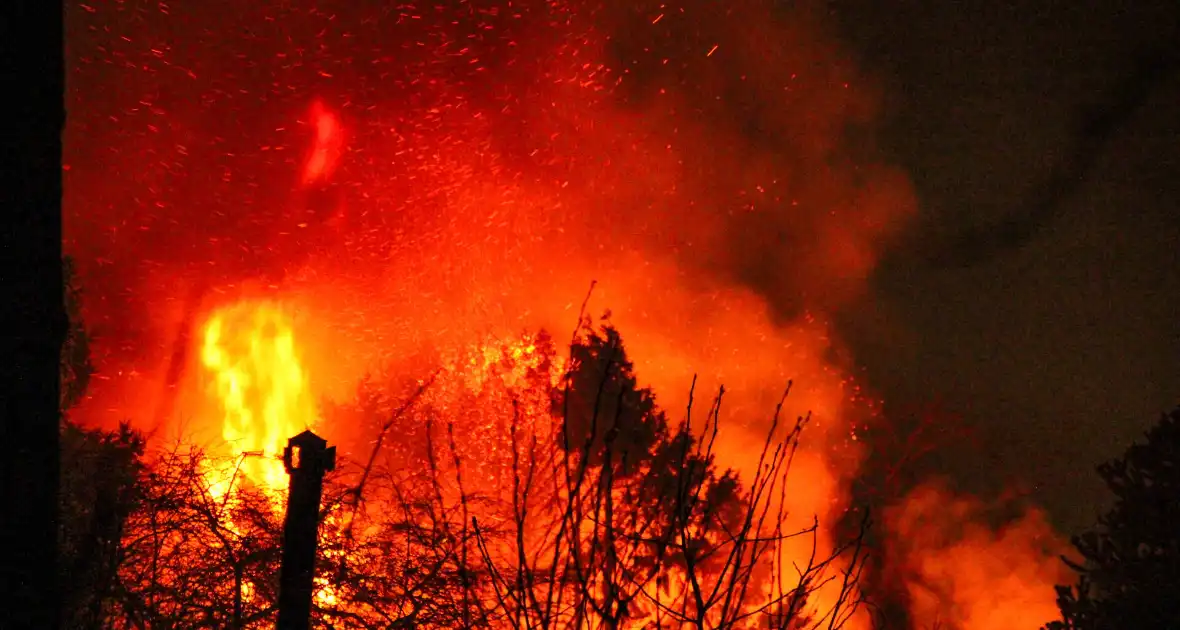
{"x":329,"y":142}
{"x":249,"y":349}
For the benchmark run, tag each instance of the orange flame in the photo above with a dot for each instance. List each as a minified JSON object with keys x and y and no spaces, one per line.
{"x":249,"y":350}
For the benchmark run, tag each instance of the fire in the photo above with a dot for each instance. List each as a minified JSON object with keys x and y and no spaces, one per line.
{"x":250,"y":355}
{"x":500,"y":158}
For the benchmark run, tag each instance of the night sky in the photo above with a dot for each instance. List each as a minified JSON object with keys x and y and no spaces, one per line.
{"x":1056,"y":343}
{"x":1033,"y":298}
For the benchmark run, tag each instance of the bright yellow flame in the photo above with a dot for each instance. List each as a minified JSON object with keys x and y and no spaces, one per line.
{"x":249,"y":350}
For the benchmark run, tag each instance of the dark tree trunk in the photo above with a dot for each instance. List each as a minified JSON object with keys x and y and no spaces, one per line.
{"x":307,"y":457}
{"x":35,"y":320}
{"x":239,"y":578}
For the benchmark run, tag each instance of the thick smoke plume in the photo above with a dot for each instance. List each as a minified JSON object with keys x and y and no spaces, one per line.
{"x":960,"y":573}
{"x":415,"y":176}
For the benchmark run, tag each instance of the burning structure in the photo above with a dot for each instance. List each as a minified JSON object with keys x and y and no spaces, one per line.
{"x":370,"y":221}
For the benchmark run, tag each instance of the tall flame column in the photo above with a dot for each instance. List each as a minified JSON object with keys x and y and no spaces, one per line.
{"x":307,"y":457}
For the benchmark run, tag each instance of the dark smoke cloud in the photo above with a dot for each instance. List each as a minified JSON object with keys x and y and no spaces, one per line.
{"x":779,"y":128}
{"x":1098,"y":125}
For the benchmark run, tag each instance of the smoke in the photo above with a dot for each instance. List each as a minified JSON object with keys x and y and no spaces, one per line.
{"x":961,"y":573}
{"x":423,"y":175}
{"x":1097,"y":127}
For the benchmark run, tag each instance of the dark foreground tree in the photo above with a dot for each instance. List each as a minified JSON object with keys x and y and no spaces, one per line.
{"x":1130,"y":573}
{"x":99,"y":485}
{"x":638,"y":527}
{"x":33,"y":318}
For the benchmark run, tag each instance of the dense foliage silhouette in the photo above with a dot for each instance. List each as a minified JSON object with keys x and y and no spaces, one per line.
{"x":1129,"y":573}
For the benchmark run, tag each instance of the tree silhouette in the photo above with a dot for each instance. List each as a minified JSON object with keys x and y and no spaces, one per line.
{"x":1130,"y":573}
{"x":639,"y":526}
{"x":600,"y":512}
{"x":75,"y":352}
{"x":99,"y":484}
